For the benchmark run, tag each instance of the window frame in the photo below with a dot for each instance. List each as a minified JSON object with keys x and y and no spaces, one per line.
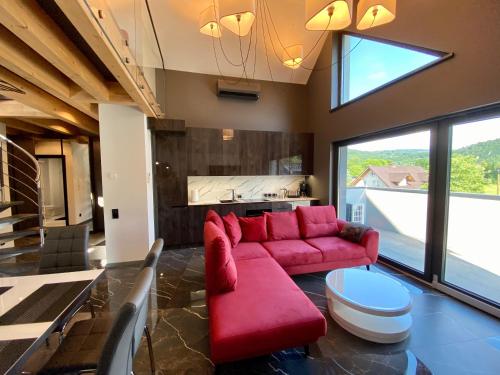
{"x":438,"y":196}
{"x":338,"y":68}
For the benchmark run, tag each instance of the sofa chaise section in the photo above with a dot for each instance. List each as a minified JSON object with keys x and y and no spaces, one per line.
{"x":266,"y":312}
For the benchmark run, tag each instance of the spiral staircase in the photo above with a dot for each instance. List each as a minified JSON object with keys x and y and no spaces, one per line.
{"x":21,"y":204}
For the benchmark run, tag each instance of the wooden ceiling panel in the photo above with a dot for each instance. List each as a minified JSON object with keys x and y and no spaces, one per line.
{"x":27,"y":20}
{"x":37,"y":98}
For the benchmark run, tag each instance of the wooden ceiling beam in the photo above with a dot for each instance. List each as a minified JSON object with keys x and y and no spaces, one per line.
{"x":25,"y":62}
{"x":23,"y":126}
{"x":35,"y":97}
{"x":100,"y":31}
{"x":117,"y":95}
{"x":12,"y":108}
{"x":54,"y":125}
{"x":27,"y":20}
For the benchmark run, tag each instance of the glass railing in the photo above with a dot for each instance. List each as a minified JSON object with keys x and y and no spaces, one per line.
{"x":128,"y":27}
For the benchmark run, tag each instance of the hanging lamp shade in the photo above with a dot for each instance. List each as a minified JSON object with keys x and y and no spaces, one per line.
{"x":373,"y":13}
{"x":328,"y":14}
{"x":293,"y":56}
{"x":208,"y":23}
{"x":237,"y":15}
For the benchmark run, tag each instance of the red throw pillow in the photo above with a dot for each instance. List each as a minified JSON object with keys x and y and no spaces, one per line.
{"x":215,"y":218}
{"x":220,"y":270}
{"x":317,"y":221}
{"x":282,"y":226}
{"x":233,"y":229}
{"x":253,"y":229}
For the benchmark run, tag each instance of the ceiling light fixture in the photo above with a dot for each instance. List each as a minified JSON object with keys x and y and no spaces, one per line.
{"x":240,"y":16}
{"x":293,"y":56}
{"x":237,"y":15}
{"x":328,"y":14}
{"x":208,"y":23}
{"x":372,"y":13}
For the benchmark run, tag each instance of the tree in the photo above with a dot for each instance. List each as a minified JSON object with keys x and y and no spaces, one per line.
{"x":467,"y":174}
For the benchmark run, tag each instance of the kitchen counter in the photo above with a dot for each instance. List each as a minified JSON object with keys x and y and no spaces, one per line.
{"x":250,"y":201}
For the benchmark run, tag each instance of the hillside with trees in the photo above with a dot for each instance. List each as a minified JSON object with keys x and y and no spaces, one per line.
{"x":474,"y":167}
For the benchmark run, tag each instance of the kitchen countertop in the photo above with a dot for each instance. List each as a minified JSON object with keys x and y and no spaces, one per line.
{"x":251,"y":200}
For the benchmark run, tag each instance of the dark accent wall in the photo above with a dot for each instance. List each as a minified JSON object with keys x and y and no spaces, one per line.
{"x":193,"y":97}
{"x":470,"y":29}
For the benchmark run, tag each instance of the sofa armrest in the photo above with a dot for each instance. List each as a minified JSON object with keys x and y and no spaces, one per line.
{"x":370,"y":242}
{"x":340,"y":224}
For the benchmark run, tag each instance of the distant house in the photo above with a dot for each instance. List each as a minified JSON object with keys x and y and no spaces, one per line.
{"x":397,"y":176}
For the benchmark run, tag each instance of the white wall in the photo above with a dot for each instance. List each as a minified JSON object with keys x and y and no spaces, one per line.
{"x":126,"y":179}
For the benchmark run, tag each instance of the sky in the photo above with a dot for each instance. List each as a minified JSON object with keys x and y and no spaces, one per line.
{"x":373,"y":64}
{"x":463,"y":135}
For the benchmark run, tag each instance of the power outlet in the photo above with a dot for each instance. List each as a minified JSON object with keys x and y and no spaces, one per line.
{"x":114,"y":213}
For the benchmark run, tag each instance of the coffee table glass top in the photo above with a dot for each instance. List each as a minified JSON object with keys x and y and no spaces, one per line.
{"x":368,"y":291}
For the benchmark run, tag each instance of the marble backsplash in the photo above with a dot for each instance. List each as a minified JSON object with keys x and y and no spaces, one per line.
{"x":213,"y":188}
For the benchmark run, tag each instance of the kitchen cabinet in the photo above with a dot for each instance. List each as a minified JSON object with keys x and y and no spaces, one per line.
{"x":183,"y":225}
{"x":248,"y":153}
{"x":170,"y":168}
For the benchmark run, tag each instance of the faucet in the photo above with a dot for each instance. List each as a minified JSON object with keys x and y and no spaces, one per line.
{"x":233,"y":196}
{"x":285,"y":192}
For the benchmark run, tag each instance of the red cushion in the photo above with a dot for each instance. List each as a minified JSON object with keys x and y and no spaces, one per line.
{"x":215,"y":218}
{"x":220,"y":269}
{"x":253,"y":229}
{"x":233,"y":229}
{"x":266,"y":313}
{"x":249,"y":250}
{"x":282,"y":226}
{"x":336,"y":248}
{"x":293,"y":252}
{"x":317,"y":221}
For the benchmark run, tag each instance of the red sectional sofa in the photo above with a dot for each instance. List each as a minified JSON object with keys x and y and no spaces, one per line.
{"x":255,"y":308}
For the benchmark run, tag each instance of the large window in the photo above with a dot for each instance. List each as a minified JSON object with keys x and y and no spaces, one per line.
{"x":368,"y":64}
{"x":384,"y":185}
{"x":432,"y":190}
{"x":473,"y":251}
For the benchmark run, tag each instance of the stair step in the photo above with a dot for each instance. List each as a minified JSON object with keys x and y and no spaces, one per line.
{"x":7,"y":204}
{"x":17,"y":250}
{"x":11,"y":236}
{"x":9,"y":220}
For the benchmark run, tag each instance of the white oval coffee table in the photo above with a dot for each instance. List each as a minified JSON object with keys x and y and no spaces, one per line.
{"x":370,"y":305}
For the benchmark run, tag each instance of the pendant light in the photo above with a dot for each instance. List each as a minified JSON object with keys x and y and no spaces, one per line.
{"x":293,"y":56}
{"x":208,"y":23}
{"x":237,"y":15}
{"x":328,"y":14}
{"x":373,"y":13}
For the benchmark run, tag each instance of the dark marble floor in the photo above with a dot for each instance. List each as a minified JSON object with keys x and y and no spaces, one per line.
{"x":447,"y":337}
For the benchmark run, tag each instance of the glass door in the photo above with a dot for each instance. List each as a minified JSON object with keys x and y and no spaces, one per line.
{"x":472,"y":254}
{"x":383,"y":183}
{"x":52,"y":181}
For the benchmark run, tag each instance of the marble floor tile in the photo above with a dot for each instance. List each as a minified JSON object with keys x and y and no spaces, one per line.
{"x":447,"y":336}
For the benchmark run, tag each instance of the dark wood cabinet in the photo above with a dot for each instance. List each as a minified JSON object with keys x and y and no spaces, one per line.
{"x":248,"y":153}
{"x":170,"y":168}
{"x":180,"y":152}
{"x":301,"y":153}
{"x":183,"y":225}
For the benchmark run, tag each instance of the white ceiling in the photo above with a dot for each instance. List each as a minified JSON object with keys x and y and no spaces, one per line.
{"x":185,"y":48}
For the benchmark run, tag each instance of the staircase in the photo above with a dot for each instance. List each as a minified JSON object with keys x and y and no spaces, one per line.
{"x":21,"y":194}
